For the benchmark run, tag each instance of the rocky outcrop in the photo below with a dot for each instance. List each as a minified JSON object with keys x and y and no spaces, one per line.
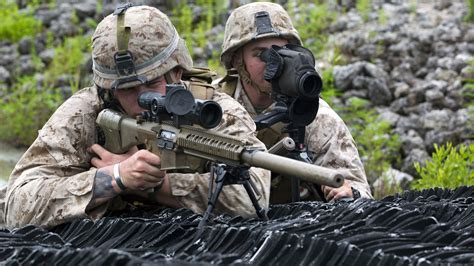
{"x":412,"y":69}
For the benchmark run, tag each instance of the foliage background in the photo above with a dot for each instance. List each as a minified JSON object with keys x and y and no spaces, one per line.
{"x":28,"y":103}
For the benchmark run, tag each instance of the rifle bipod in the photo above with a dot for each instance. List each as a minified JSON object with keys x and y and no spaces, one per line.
{"x":230,"y":175}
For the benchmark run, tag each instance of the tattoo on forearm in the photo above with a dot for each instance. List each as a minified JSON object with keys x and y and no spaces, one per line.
{"x":103,"y":189}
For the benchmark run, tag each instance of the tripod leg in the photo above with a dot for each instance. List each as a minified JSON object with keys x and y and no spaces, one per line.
{"x":212,"y":200}
{"x":295,"y":189}
{"x":262,"y":214}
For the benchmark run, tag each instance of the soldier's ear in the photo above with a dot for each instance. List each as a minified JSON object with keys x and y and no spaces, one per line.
{"x":237,"y":58}
{"x":178,"y":72}
{"x":174,"y":75}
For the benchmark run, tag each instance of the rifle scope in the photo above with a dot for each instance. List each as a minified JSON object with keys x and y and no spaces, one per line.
{"x":179,"y":105}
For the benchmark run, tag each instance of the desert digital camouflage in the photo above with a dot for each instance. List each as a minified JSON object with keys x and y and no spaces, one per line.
{"x":241,"y":28}
{"x":53,"y":181}
{"x":328,"y":139}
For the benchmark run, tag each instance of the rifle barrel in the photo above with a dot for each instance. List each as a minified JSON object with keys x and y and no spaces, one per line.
{"x":289,"y":167}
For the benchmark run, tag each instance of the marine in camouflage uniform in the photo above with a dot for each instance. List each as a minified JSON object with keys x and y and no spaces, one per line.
{"x":328,"y":139}
{"x":59,"y":178}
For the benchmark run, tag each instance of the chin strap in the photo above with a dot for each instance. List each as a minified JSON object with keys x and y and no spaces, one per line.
{"x":245,"y":75}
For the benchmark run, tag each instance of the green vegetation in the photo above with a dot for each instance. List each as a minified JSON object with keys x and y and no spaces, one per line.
{"x":468,"y":89}
{"x":377,"y":145}
{"x":29,"y":103}
{"x":312,"y":23}
{"x":364,"y":7}
{"x":382,"y":17}
{"x":68,"y":59}
{"x":450,"y":167}
{"x":470,"y":14}
{"x":194,"y":33}
{"x":25,"y":109}
{"x":16,"y":25}
{"x":330,"y":91}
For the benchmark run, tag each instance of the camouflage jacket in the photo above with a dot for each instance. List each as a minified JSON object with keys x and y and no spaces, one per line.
{"x":328,"y":139}
{"x":52,"y":183}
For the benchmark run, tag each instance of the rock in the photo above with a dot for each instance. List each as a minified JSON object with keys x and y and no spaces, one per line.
{"x":402,"y":73}
{"x":47,"y":56}
{"x":416,"y":96}
{"x":366,"y":52}
{"x":349,"y":44}
{"x":386,"y":115}
{"x":443,"y":74}
{"x":412,"y":121}
{"x":442,"y":49}
{"x":25,"y":65}
{"x":398,"y":105}
{"x":344,"y":75}
{"x":420,"y":109}
{"x":442,"y":4}
{"x":415,"y":155}
{"x":434,"y":96}
{"x":440,"y":137}
{"x":437,"y":119}
{"x":373,"y":71}
{"x":378,"y":92}
{"x":393,"y":178}
{"x":410,"y":141}
{"x":469,"y":35}
{"x":25,"y":45}
{"x":4,"y":75}
{"x":448,"y":32}
{"x":401,"y":89}
{"x":8,"y":56}
{"x":467,"y":72}
{"x":47,"y":15}
{"x":85,"y":9}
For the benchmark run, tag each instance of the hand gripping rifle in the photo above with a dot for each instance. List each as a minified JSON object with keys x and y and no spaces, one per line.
{"x":175,"y":127}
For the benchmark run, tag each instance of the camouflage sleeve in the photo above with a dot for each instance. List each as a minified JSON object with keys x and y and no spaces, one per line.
{"x":192,"y":189}
{"x":333,"y":146}
{"x":52,"y":182}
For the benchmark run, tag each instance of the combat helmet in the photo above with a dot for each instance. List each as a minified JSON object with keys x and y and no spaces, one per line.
{"x":255,"y":21}
{"x":135,"y":45}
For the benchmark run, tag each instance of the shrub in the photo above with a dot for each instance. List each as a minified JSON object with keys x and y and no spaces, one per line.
{"x":364,"y":8}
{"x":195,"y":33}
{"x":470,"y":15}
{"x":29,"y":103}
{"x":312,"y":22}
{"x":449,"y":167}
{"x":68,"y":60}
{"x":26,"y":109}
{"x":16,"y":25}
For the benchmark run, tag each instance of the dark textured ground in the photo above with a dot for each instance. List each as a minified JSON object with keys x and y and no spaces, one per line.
{"x":429,"y":227}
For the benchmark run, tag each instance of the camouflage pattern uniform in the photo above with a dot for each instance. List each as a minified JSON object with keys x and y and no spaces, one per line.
{"x":53,"y":181}
{"x":327,"y":137}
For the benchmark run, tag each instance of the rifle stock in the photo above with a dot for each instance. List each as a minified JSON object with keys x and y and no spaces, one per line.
{"x":188,"y":148}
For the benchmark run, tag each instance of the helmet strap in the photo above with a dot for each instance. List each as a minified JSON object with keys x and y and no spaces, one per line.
{"x":170,"y":79}
{"x":244,"y":74}
{"x":123,"y":57}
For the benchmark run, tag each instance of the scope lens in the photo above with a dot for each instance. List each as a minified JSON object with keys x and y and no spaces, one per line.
{"x":210,"y":114}
{"x":310,"y":85}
